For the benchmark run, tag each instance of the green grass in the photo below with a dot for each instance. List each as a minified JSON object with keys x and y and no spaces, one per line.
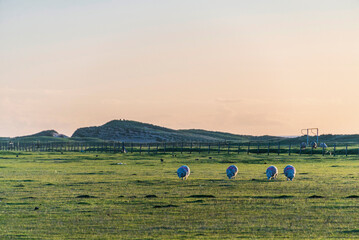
{"x":81,"y":196}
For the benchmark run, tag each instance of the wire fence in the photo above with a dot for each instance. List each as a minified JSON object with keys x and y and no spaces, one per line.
{"x":183,"y":147}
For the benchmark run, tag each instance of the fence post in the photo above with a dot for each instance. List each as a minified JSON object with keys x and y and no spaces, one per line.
{"x":290,"y":146}
{"x":249,"y":146}
{"x":323,"y":152}
{"x":311,"y":152}
{"x":258,"y":149}
{"x":335,"y":145}
{"x":199,"y":147}
{"x":268,"y":148}
{"x":140,"y":148}
{"x":219,"y":147}
{"x":123,"y":147}
{"x":346,"y":150}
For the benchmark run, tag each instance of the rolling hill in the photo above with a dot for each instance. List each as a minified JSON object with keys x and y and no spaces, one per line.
{"x":138,"y":132}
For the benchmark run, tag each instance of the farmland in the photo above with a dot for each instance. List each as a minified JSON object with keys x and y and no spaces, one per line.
{"x":78,"y":195}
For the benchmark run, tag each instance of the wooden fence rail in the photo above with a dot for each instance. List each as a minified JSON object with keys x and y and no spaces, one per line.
{"x":180,"y":147}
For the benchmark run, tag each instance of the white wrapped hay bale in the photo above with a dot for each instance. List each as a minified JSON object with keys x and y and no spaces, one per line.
{"x":272,"y":172}
{"x":289,"y":172}
{"x":183,"y":172}
{"x":232,"y":171}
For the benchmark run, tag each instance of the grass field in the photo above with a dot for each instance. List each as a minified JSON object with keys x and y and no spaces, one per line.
{"x":81,"y":196}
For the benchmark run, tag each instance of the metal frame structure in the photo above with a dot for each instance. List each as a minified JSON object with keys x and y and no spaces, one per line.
{"x":311,"y":130}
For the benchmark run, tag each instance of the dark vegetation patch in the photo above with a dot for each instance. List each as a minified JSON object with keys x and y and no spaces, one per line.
{"x":20,"y":203}
{"x":148,"y":182}
{"x":165,"y":206}
{"x":202,"y":196}
{"x":356,"y":231}
{"x":121,"y":196}
{"x":20,"y":185}
{"x":259,"y":180}
{"x":316,"y":196}
{"x":227,"y":161}
{"x":85,"y":196}
{"x":94,"y":173}
{"x":336,"y":166}
{"x":49,"y":184}
{"x":162,"y":227}
{"x":84,"y":203}
{"x":215,"y":180}
{"x":353,"y":196}
{"x":3,"y":167}
{"x":303,"y":173}
{"x":26,"y":180}
{"x":196,"y":201}
{"x":273,"y":197}
{"x":29,"y":198}
{"x":150,"y":196}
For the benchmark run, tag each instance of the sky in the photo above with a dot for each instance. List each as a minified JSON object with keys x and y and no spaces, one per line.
{"x":259,"y":67}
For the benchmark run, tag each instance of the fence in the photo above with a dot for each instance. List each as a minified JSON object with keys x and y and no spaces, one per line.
{"x":181,"y":147}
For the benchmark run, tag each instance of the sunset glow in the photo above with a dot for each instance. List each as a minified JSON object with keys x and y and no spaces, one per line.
{"x":245,"y":67}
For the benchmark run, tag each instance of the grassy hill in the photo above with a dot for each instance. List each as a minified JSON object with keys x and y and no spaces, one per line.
{"x":138,"y":132}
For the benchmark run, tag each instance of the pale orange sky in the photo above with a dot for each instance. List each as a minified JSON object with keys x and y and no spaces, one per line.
{"x":246,"y":67}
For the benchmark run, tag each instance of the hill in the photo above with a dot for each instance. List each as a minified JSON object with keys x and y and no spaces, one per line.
{"x":48,"y":133}
{"x":133,"y":131}
{"x":138,"y":132}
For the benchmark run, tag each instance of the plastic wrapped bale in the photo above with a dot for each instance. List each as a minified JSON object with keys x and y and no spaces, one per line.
{"x":313,"y":144}
{"x":289,"y":172}
{"x":272,"y":172}
{"x":183,"y":172}
{"x":303,"y":145}
{"x":232,"y":171}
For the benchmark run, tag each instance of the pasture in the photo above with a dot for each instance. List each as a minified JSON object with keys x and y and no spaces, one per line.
{"x":84,"y":196}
